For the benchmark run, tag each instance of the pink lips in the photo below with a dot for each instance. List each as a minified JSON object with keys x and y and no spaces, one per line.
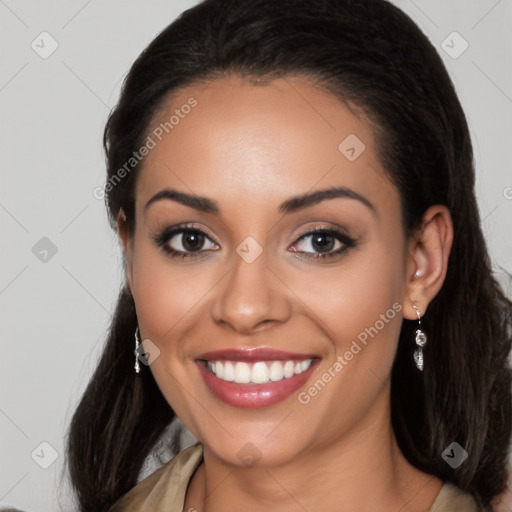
{"x":250,"y":395}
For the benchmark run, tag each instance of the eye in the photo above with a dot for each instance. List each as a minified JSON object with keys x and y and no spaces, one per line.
{"x":184,"y":242}
{"x":323,"y":243}
{"x":188,"y":242}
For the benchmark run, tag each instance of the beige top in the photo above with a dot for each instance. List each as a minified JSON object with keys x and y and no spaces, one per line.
{"x":165,"y":489}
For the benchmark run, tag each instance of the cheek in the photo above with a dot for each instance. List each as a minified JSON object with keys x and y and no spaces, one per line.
{"x":167,"y":299}
{"x":359,"y":309}
{"x":165,"y":293}
{"x":355,"y":296}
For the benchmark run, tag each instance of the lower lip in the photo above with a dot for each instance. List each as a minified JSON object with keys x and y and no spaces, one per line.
{"x":254,"y":396}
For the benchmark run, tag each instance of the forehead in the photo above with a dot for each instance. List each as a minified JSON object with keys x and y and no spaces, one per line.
{"x":263,"y":142}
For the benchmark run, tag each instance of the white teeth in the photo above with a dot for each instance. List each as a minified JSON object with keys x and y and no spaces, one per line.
{"x":229,"y":372}
{"x":260,"y":372}
{"x":219,"y":369}
{"x":289,"y":369}
{"x":242,"y":372}
{"x":276,"y":371}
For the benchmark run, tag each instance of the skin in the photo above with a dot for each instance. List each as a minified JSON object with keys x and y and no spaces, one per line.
{"x":250,"y":148}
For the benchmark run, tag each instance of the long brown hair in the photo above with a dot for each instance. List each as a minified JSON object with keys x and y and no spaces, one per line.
{"x":397,"y":78}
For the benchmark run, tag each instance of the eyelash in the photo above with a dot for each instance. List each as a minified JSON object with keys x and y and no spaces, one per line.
{"x":162,"y":238}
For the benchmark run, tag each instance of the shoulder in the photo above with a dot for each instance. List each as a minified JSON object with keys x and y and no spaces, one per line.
{"x":453,"y":499}
{"x":166,"y":487}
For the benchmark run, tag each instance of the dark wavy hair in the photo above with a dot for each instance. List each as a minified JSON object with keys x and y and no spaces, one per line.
{"x":372,"y":56}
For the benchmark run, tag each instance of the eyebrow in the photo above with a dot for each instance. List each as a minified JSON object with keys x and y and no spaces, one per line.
{"x":291,"y":205}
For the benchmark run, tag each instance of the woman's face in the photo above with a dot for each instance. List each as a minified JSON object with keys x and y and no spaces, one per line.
{"x":311,"y":320}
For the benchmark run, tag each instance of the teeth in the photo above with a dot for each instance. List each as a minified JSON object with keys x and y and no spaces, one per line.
{"x":276,"y":371}
{"x":242,"y":372}
{"x":219,"y":369}
{"x":289,"y":369}
{"x":229,"y":372}
{"x":260,"y":372}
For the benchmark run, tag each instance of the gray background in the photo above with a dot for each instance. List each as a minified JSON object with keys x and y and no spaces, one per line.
{"x":55,"y":308}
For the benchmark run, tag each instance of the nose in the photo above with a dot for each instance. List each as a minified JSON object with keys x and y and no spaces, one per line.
{"x":251,"y":297}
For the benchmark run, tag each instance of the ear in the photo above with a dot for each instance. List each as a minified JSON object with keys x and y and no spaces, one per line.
{"x":427,"y":262}
{"x":127,"y":245}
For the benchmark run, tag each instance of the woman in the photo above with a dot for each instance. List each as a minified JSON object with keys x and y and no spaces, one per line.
{"x":307,"y":284}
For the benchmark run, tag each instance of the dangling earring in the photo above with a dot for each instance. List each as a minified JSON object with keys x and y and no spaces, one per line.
{"x":136,"y":352}
{"x":421,"y":340}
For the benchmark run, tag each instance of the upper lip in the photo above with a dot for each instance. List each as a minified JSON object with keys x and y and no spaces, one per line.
{"x":253,"y":354}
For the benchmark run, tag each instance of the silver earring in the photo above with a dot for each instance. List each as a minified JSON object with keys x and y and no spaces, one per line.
{"x":421,"y":340}
{"x":136,"y":351}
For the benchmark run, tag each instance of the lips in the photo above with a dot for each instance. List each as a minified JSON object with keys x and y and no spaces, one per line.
{"x":254,"y":377}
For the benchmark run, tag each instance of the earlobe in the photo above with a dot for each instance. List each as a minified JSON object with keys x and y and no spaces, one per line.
{"x":427,"y":264}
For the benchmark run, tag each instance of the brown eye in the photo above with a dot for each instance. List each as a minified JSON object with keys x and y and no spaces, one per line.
{"x":184,"y":242}
{"x":191,"y":240}
{"x":321,"y":243}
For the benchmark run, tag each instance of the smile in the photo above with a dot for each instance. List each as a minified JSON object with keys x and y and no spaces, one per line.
{"x":254,"y":378}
